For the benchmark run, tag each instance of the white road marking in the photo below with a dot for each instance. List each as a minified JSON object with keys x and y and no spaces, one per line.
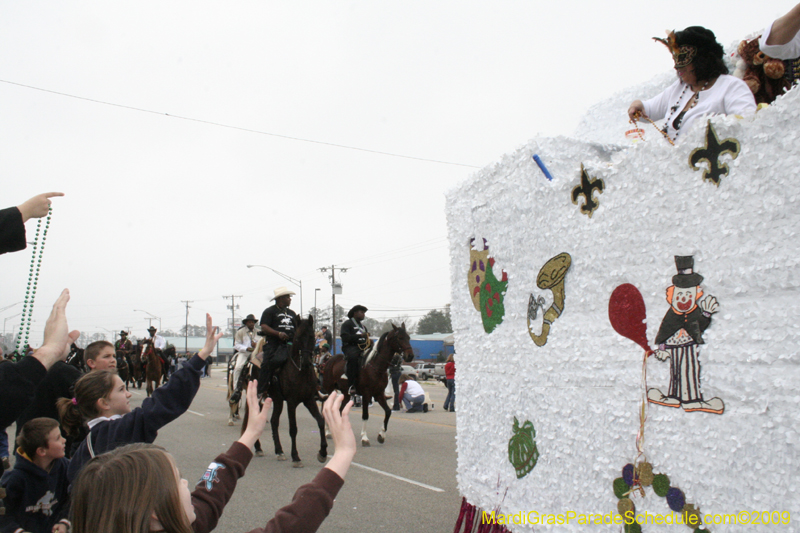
{"x":417,"y":483}
{"x":194,"y":412}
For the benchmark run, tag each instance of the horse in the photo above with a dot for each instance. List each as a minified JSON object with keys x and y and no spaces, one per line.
{"x":296,"y":385}
{"x":153,"y":372}
{"x":168,"y":355}
{"x":137,"y":373}
{"x":249,"y":372}
{"x":75,"y":358}
{"x":123,"y":368}
{"x":373,"y":378}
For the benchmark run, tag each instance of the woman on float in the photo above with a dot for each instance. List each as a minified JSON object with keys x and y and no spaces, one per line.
{"x":703,"y":86}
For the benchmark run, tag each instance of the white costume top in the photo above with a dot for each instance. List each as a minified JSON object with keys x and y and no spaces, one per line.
{"x":159,"y":343}
{"x":243,"y":337}
{"x":728,"y":96}
{"x":790,"y":50}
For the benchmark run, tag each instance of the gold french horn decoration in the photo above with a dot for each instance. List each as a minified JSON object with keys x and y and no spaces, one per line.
{"x":551,"y":277}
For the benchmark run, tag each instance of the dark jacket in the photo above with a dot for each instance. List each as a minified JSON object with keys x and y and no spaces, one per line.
{"x":57,"y":384}
{"x":18,"y":383}
{"x":351,"y":338}
{"x":694,"y":322}
{"x":310,"y":506}
{"x":35,"y":499}
{"x":12,"y":230}
{"x":142,"y":424}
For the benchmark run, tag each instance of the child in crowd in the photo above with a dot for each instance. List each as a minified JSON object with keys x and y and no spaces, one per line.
{"x":130,"y":490}
{"x":100,"y":355}
{"x":103,"y":401}
{"x":36,"y":489}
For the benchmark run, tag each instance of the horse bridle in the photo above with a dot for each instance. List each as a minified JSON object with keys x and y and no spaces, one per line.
{"x":303,"y":352}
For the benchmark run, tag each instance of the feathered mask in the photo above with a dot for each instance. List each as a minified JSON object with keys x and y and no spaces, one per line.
{"x":681,"y":55}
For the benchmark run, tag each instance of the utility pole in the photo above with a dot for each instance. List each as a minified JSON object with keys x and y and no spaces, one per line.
{"x":186,"y":329}
{"x":336,"y":288}
{"x":233,"y":307}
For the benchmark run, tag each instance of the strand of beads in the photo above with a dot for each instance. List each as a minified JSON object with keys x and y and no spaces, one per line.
{"x":33,"y":281}
{"x":633,"y":481}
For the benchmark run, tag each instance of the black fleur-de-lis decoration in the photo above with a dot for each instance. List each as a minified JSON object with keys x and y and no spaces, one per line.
{"x":586,"y":189}
{"x":711,"y":153}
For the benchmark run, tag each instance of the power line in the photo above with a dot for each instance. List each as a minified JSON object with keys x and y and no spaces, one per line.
{"x":239,"y":128}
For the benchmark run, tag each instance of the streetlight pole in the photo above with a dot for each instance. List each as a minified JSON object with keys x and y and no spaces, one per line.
{"x":316,"y":311}
{"x":297,"y":282}
{"x":113,"y":333}
{"x":335,"y":289}
{"x":154,"y":317}
{"x":4,"y":322}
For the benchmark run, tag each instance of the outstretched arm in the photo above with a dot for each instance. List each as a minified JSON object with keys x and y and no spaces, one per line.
{"x":38,"y":206}
{"x":785,"y":28}
{"x":211,"y":339}
{"x":344,"y":441}
{"x":215,"y":489}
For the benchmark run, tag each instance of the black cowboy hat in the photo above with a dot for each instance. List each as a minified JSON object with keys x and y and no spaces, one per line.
{"x":686,"y":276}
{"x":250,"y":318}
{"x":151,"y":328}
{"x":123,"y":333}
{"x":355,"y":309}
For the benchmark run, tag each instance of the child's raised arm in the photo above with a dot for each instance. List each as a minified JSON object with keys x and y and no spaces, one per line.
{"x":258,"y":417}
{"x":211,"y":339}
{"x":344,"y":441}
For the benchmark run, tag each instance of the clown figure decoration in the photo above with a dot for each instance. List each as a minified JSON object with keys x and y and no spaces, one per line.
{"x":678,"y":340}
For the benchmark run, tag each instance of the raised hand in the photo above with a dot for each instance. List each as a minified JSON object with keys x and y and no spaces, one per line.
{"x":38,"y":206}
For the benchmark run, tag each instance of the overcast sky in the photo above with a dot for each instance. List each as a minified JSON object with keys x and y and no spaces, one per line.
{"x":195,"y":138}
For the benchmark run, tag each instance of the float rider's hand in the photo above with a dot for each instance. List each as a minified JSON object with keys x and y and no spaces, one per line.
{"x":636,"y":110}
{"x":38,"y":206}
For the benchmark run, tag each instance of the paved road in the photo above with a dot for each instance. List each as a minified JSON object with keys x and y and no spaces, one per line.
{"x":406,"y":485}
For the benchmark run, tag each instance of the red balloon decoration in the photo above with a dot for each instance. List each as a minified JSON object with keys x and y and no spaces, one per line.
{"x":627,"y":314}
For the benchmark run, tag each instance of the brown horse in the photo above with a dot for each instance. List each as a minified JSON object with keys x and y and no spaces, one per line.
{"x":137,"y":374}
{"x":153,"y":372}
{"x":373,"y":378}
{"x":124,"y":370}
{"x":297,"y":384}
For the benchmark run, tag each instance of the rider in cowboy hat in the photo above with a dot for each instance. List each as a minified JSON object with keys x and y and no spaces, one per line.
{"x":243,"y":342}
{"x":124,"y":347}
{"x":159,"y":344}
{"x":355,"y":339}
{"x":277,"y":326}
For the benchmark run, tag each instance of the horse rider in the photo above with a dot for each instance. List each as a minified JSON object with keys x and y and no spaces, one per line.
{"x":327,"y":335}
{"x":355,"y":340}
{"x":277,"y":325}
{"x":159,"y":344}
{"x":243,"y":342}
{"x":124,"y":347}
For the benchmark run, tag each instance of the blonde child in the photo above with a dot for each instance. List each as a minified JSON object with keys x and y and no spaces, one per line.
{"x":102,"y":400}
{"x":36,"y":489}
{"x":130,"y":490}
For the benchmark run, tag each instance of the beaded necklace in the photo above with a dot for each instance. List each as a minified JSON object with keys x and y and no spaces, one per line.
{"x":663,"y":131}
{"x":30,"y":292}
{"x":677,"y":121}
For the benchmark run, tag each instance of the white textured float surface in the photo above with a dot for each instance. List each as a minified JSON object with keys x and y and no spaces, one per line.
{"x":582,"y":389}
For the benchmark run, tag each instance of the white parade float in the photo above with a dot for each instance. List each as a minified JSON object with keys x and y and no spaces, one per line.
{"x":555,"y":400}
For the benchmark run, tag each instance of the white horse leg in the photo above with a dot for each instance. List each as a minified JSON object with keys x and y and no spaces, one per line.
{"x":328,"y":431}
{"x":364,"y":438}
